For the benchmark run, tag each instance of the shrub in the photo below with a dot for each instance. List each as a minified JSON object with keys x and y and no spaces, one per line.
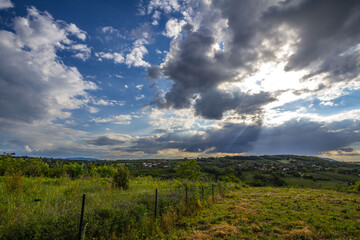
{"x":14,"y":183}
{"x":121,"y":178}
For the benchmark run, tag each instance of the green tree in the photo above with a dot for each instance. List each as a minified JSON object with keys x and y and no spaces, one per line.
{"x":75,"y":170}
{"x":35,"y":167}
{"x":188,"y":169}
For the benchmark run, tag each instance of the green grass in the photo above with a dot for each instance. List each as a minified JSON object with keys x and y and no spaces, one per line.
{"x":276,"y":213}
{"x":110,"y":213}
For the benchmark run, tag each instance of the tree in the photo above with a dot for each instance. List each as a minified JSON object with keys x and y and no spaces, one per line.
{"x":35,"y":167}
{"x":188,"y":169}
{"x":75,"y":170}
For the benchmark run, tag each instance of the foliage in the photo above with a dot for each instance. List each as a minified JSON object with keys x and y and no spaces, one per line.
{"x":14,"y":183}
{"x":121,"y":178}
{"x":188,"y":169}
{"x":75,"y":169}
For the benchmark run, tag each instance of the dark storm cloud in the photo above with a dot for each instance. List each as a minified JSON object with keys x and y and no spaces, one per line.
{"x":294,"y":137}
{"x":153,"y":72}
{"x":214,"y":103}
{"x":326,"y":29}
{"x":234,"y":138}
{"x":255,"y":31}
{"x":197,"y":72}
{"x":348,"y":150}
{"x":307,"y":137}
{"x":104,"y":141}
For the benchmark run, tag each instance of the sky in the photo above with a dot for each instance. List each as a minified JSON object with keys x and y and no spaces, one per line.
{"x":180,"y":78}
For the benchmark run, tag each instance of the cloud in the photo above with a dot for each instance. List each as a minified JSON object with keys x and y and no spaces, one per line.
{"x":304,"y":136}
{"x":165,"y":5}
{"x":104,"y":141}
{"x":73,"y":29}
{"x":109,"y":29}
{"x":6,"y":4}
{"x":140,"y":86}
{"x":135,"y":57}
{"x":153,"y":72}
{"x":120,"y":119}
{"x":104,"y":102}
{"x":116,"y":57}
{"x":198,"y":68}
{"x":111,"y":33}
{"x":139,"y":97}
{"x":214,"y":140}
{"x":39,"y":137}
{"x":34,"y":83}
{"x":347,"y":150}
{"x":321,"y":26}
{"x":173,"y":27}
{"x":82,"y":51}
{"x":229,"y":43}
{"x":214,"y":103}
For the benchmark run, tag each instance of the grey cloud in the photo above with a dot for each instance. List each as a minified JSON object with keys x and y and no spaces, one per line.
{"x":153,"y":72}
{"x":235,"y":138}
{"x":214,"y":103}
{"x":104,"y":141}
{"x":346,"y":149}
{"x":254,"y":33}
{"x":197,"y":73}
{"x":326,"y":29}
{"x":303,"y":137}
{"x":307,"y":137}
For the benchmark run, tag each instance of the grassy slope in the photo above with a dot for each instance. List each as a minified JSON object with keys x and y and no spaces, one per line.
{"x":276,"y":213}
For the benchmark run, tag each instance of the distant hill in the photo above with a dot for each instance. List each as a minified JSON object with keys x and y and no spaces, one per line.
{"x":83,"y":159}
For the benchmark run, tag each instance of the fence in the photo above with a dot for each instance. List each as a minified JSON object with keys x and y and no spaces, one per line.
{"x":88,"y":217}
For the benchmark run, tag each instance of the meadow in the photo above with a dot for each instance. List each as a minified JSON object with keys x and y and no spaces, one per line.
{"x":275,"y":197}
{"x":276,"y":213}
{"x":47,"y":208}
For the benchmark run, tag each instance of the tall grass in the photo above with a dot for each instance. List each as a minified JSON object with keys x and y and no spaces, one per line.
{"x":46,"y":208}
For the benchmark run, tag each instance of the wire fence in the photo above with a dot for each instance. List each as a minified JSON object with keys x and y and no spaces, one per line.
{"x":88,"y":216}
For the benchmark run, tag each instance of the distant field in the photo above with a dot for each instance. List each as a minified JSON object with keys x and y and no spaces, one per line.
{"x":276,"y":213}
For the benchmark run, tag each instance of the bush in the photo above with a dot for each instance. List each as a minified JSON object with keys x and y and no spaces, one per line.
{"x":121,"y":178}
{"x":14,"y":183}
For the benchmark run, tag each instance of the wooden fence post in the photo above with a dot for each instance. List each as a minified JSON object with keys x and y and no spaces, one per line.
{"x":156,"y":202}
{"x":82,"y":216}
{"x":202,"y":191}
{"x":212,"y":188}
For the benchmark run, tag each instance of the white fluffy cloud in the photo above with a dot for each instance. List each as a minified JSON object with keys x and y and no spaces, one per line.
{"x":173,"y":27}
{"x":34,"y":83}
{"x":135,"y":57}
{"x":119,"y":119}
{"x":6,"y":4}
{"x":116,"y":57}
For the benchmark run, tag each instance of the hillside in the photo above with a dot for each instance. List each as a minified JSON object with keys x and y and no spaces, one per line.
{"x":276,"y":213}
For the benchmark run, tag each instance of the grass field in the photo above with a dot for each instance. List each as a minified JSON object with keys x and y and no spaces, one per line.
{"x":276,"y":213}
{"x":45,"y":208}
